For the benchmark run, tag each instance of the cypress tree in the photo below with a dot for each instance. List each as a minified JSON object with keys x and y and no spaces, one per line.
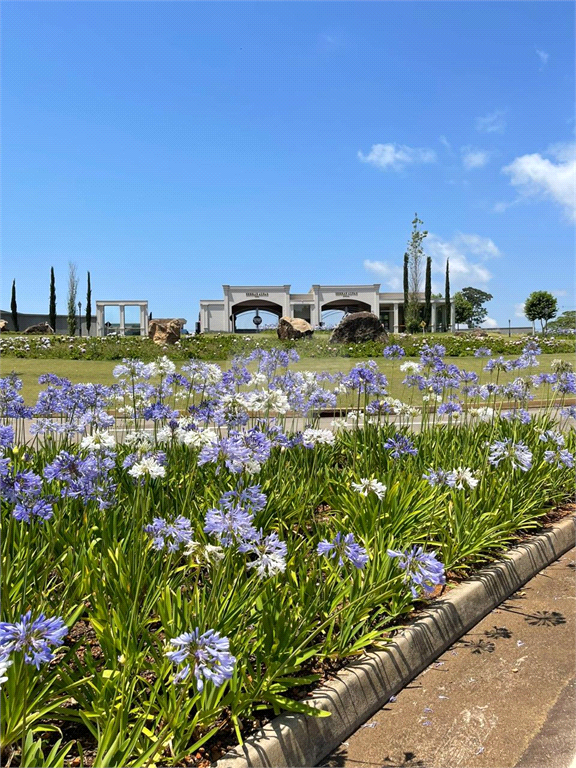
{"x":72,"y":288}
{"x":14,"y":307}
{"x":447,"y":294}
{"x":52,"y":310}
{"x":428,"y":292}
{"x":88,"y":307}
{"x":406,"y":288}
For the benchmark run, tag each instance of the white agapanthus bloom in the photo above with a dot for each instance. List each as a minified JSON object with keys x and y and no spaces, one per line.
{"x":4,"y":664}
{"x":365,"y":486}
{"x":461,"y":476}
{"x":268,"y":564}
{"x":139,"y":440}
{"x":484,"y":414}
{"x":312,"y":437}
{"x":98,"y":441}
{"x":197,"y":438}
{"x":147,"y":466}
{"x":204,"y":553}
{"x":162,"y":367}
{"x":258,"y":379}
{"x":410,"y":367}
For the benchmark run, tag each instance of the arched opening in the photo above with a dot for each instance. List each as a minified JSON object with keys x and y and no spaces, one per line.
{"x":333,"y":311}
{"x":246,"y":312}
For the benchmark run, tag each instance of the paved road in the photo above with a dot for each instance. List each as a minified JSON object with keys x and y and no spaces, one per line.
{"x":503,"y":696}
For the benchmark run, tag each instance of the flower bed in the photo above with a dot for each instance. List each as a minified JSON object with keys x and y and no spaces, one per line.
{"x":167,"y":584}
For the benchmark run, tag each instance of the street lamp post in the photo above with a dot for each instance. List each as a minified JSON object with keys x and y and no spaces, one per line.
{"x":509,"y":329}
{"x":79,"y":318}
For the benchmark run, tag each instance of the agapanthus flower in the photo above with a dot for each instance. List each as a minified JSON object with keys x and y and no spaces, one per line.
{"x":230,"y":525}
{"x":5,"y":662}
{"x":313,"y":437}
{"x":208,"y":554}
{"x":411,"y":366}
{"x":270,"y":553}
{"x":400,"y":445}
{"x":483,"y":414}
{"x":421,"y":569}
{"x":437,"y":477}
{"x":206,"y":656}
{"x":561,"y":457}
{"x":6,"y":436}
{"x":482,"y":352}
{"x":549,"y":435}
{"x":345,"y":548}
{"x":28,"y":508}
{"x":148,"y":466}
{"x":393,"y":351}
{"x":462,"y":476}
{"x":170,"y":536}
{"x":517,"y":414}
{"x":366,"y":486}
{"x":98,"y":441}
{"x":518,"y":453}
{"x":32,"y":637}
{"x":251,"y":499}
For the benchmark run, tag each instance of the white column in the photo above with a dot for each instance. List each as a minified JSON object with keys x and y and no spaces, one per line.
{"x":433,"y":318}
{"x":287,"y":310}
{"x":99,"y":321}
{"x":227,"y":322}
{"x":452,"y":316}
{"x":396,"y":318}
{"x":122,"y":328}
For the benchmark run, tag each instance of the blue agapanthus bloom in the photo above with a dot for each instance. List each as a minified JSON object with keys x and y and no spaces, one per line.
{"x":206,"y":656}
{"x":518,"y":453}
{"x":345,"y":548}
{"x":32,"y":637}
{"x":400,"y":445}
{"x":230,"y":525}
{"x":436,"y":477}
{"x":421,"y":569}
{"x":482,"y":352}
{"x":250,"y":498}
{"x":561,"y":457}
{"x":6,"y":436}
{"x":170,"y":536}
{"x":27,"y":509}
{"x":393,"y":351}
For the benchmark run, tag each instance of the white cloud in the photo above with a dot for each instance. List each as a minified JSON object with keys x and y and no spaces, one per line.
{"x":390,"y":274}
{"x":474,"y":158}
{"x":543,"y":56}
{"x":490,"y":323}
{"x":491,"y":123}
{"x":560,"y":293}
{"x":443,"y":140}
{"x":534,"y":175}
{"x":519,"y":310}
{"x":466,"y":253}
{"x":396,"y":156}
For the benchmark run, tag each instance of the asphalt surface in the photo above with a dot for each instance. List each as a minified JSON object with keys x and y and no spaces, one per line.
{"x":503,"y":696}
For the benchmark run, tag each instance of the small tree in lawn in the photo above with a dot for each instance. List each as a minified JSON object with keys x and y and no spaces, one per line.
{"x":541,"y":305}
{"x":72,"y":291}
{"x":447,"y":294}
{"x":88,"y":306}
{"x":428,"y":292}
{"x":14,"y":307}
{"x":52,"y":308}
{"x":463,"y":309}
{"x":566,"y":321}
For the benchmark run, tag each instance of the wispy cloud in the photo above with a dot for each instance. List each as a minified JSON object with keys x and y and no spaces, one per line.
{"x":467,"y":254}
{"x":444,"y":141}
{"x":543,"y":56}
{"x":390,"y":274}
{"x":519,"y":310}
{"x":491,"y":123}
{"x":490,"y":323}
{"x":396,"y":156}
{"x":474,"y":158}
{"x":535,"y":175}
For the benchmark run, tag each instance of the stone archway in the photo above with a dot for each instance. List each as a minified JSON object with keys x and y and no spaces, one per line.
{"x":254,"y":304}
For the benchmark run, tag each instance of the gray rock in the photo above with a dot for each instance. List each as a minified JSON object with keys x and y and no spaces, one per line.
{"x":293,"y":328}
{"x":40,"y":328}
{"x":358,"y":327}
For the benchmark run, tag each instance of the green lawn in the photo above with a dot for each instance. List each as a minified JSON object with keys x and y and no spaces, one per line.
{"x":100,"y":371}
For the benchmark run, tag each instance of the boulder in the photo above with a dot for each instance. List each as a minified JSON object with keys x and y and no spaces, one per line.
{"x":164,"y":333}
{"x":4,"y":326}
{"x":293,"y":328}
{"x":40,"y":328}
{"x":358,"y":327}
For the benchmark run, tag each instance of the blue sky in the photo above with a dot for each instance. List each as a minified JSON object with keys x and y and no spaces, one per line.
{"x":170,"y":147}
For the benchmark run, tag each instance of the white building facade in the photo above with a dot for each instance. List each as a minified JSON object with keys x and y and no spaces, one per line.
{"x":220,"y":314}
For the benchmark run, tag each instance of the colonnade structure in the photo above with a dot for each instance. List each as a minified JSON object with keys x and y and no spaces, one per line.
{"x":221,"y":314}
{"x":102,"y":328}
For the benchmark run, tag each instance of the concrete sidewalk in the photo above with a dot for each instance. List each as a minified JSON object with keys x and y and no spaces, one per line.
{"x":502,"y":696}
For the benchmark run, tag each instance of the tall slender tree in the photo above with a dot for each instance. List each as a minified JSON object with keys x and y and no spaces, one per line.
{"x":14,"y":307}
{"x":52,"y":310}
{"x":428,"y":292}
{"x":72,"y":290}
{"x":415,"y":257}
{"x":406,"y":288}
{"x":88,"y":306}
{"x":447,"y":294}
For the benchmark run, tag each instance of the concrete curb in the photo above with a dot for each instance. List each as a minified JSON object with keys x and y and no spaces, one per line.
{"x":364,"y":686}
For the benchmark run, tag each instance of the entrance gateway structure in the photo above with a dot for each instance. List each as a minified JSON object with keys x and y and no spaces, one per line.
{"x":221,"y":314}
